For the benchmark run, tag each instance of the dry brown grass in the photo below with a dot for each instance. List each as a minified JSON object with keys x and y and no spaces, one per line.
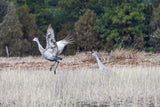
{"x":135,"y":57}
{"x":27,"y":82}
{"x":120,"y":57}
{"x":126,"y":86}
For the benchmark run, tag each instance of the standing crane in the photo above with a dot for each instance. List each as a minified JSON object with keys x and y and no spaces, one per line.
{"x":53,"y":49}
{"x":101,"y":66}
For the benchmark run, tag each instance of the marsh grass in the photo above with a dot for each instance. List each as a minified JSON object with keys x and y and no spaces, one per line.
{"x":125,"y":86}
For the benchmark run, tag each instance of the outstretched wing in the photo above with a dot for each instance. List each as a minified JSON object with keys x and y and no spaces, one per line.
{"x":50,"y":38}
{"x":51,"y":42}
{"x":62,"y":43}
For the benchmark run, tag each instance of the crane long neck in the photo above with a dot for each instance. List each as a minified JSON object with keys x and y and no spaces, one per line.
{"x":99,"y":62}
{"x":41,"y":49}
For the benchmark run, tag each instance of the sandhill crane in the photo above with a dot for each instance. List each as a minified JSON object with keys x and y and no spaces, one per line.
{"x":53,"y":49}
{"x":101,"y":66}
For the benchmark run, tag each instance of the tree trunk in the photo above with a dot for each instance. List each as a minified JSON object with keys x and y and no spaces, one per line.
{"x":7,"y":51}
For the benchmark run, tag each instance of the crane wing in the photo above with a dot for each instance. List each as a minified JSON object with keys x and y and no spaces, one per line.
{"x":62,"y":43}
{"x":51,"y":42}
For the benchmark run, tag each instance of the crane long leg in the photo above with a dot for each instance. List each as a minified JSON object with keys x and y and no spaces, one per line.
{"x":52,"y":66}
{"x":56,"y":67}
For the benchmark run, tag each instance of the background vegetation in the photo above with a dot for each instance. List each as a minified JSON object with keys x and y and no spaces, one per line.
{"x":95,"y":24}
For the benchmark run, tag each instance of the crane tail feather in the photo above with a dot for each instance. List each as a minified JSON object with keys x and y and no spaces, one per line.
{"x":69,"y":39}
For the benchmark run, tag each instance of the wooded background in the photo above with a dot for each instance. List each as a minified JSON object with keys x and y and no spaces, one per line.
{"x":95,"y":24}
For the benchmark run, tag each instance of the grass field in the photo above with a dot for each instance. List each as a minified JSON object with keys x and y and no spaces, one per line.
{"x":27,"y":82}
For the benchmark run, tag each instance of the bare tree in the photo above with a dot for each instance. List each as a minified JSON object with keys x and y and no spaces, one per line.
{"x":11,"y":34}
{"x":10,"y":21}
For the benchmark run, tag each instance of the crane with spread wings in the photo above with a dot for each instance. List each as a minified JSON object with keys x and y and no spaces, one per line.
{"x":53,"y":49}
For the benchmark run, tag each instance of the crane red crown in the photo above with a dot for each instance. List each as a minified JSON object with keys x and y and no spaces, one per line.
{"x":92,"y":52}
{"x":34,"y":37}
